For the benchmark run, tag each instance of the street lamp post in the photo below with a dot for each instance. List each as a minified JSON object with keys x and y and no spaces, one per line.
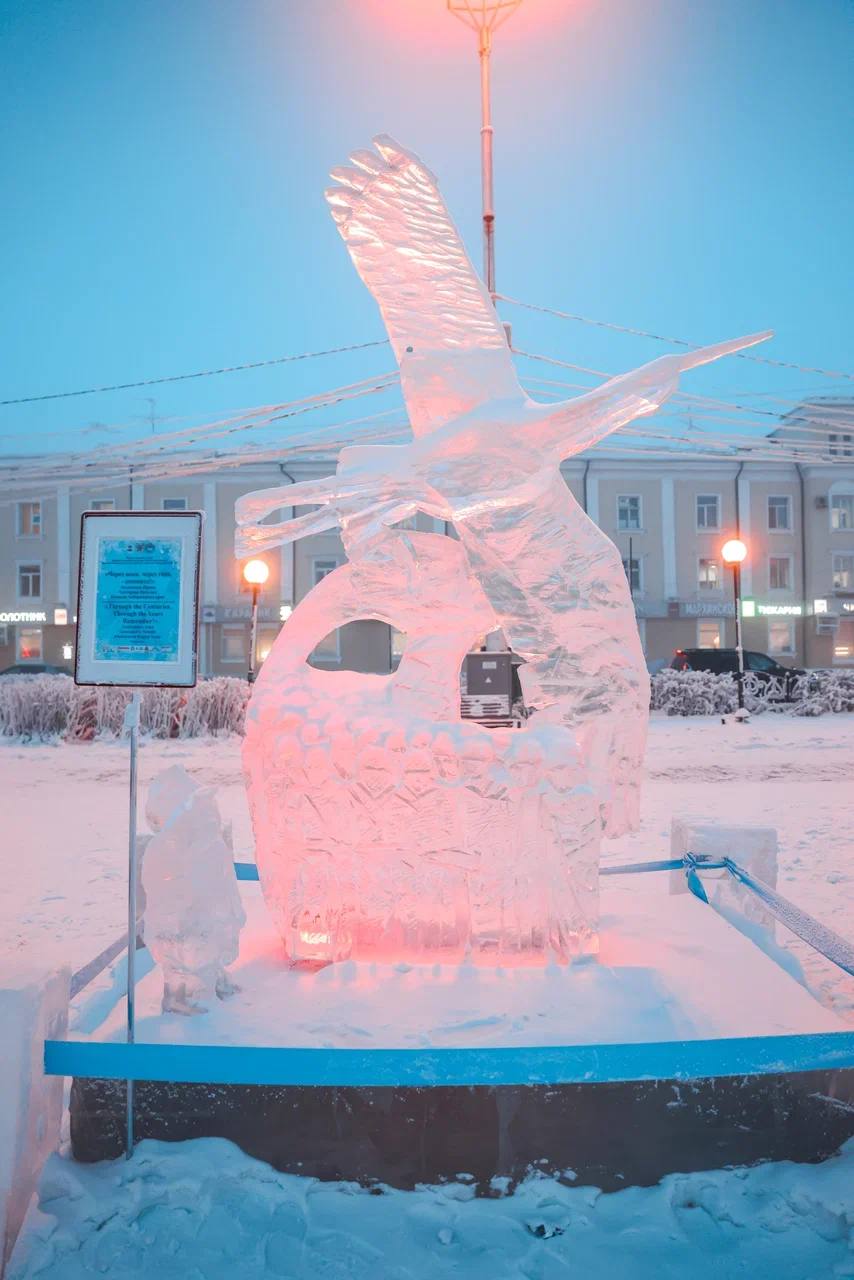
{"x":484,"y":17}
{"x":255,"y":573}
{"x":734,"y":552}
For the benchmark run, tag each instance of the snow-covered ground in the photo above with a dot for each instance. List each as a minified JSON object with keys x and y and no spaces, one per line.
{"x":64,"y":809}
{"x":205,"y":1211}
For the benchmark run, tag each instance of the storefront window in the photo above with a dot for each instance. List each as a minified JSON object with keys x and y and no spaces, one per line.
{"x":709,"y":633}
{"x":233,"y":647}
{"x":29,"y":644}
{"x":266,"y":640}
{"x":843,"y":642}
{"x":781,"y":636}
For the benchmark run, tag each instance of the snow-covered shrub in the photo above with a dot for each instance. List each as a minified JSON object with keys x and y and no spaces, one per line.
{"x":693,"y":693}
{"x":52,"y":706}
{"x":821,"y":691}
{"x":215,"y":706}
{"x":35,"y":707}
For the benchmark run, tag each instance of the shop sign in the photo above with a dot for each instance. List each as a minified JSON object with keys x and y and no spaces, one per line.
{"x":241,"y":613}
{"x":780,"y":610}
{"x":707,"y":609}
{"x":23,"y":615}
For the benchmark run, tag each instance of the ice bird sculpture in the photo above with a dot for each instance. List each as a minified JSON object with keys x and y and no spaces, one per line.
{"x":486,"y":459}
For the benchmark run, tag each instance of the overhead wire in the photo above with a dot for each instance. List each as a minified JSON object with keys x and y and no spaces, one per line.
{"x":676,"y":342}
{"x":203,"y":373}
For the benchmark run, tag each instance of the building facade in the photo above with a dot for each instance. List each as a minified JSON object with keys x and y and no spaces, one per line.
{"x":669,"y":520}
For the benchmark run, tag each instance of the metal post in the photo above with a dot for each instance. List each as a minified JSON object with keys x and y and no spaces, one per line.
{"x":736,"y":582}
{"x":253,"y":639}
{"x":486,"y":162}
{"x":132,"y":724}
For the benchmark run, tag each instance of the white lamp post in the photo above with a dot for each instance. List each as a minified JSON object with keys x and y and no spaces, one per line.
{"x":484,"y":17}
{"x":256,"y":573}
{"x":734,"y":552}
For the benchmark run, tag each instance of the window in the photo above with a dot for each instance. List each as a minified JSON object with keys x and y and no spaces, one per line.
{"x":329,"y":648}
{"x":709,"y":575}
{"x":29,"y":644}
{"x":707,"y":511}
{"x":233,"y":645}
{"x":102,"y":504}
{"x":266,"y":640}
{"x":843,"y":643}
{"x":29,"y":519}
{"x":841,"y":445}
{"x":709,"y":633}
{"x":397,"y":643}
{"x":29,"y":581}
{"x":779,"y":573}
{"x":843,"y":572}
{"x":842,"y":511}
{"x":174,"y":504}
{"x":781,"y":635}
{"x":320,"y":569}
{"x":632,"y":569}
{"x":628,"y":511}
{"x":779,"y":513}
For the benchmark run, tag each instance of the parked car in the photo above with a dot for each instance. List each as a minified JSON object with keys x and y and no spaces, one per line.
{"x":35,"y":669}
{"x":725,"y":662}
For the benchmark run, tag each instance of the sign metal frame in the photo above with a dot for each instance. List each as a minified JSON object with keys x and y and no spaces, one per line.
{"x":94,"y":525}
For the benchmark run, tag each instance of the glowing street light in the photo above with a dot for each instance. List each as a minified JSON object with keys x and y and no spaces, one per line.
{"x":734,"y":552}
{"x":484,"y":17}
{"x":255,"y":573}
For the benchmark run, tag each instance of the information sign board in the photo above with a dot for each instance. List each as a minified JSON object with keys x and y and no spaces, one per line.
{"x":138,"y":598}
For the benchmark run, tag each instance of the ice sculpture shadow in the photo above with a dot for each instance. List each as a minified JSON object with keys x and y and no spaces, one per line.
{"x":366,"y":847}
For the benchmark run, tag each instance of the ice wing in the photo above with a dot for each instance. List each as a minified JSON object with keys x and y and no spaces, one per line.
{"x":449,"y":342}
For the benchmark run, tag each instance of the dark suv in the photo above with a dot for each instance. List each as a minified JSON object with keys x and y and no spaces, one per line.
{"x":725,"y":662}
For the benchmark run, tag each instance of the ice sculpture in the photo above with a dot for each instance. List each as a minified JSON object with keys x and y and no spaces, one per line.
{"x":193,"y":913}
{"x":383,"y":824}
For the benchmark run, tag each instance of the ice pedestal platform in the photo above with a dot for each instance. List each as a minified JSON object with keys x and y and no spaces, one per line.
{"x":670,"y":973}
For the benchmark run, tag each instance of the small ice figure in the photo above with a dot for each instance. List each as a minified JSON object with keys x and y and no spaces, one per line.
{"x":193,"y":913}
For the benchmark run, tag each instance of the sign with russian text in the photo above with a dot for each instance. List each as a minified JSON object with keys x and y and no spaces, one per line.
{"x":137,"y":614}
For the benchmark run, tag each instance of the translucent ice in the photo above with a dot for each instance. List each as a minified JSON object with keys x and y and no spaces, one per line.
{"x":193,"y":914}
{"x":353,"y":814}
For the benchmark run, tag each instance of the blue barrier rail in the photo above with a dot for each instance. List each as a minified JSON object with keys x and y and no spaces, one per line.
{"x":433,"y":1068}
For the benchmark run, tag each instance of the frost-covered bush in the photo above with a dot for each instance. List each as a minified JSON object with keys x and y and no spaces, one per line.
{"x":35,"y":706}
{"x":820,"y":691}
{"x":215,"y":706}
{"x":51,"y":706}
{"x":693,"y":693}
{"x":703,"y":693}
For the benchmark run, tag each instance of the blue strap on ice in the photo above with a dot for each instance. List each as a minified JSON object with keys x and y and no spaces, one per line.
{"x":820,"y":938}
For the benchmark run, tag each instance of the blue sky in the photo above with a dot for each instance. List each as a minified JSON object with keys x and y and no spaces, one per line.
{"x":681,"y":168}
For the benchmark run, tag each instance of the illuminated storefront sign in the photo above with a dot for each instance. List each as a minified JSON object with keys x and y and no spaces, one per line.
{"x":780,"y":610}
{"x":752,"y":608}
{"x":23,"y":615}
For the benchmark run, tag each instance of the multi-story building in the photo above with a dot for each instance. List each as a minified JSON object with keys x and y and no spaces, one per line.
{"x":668,"y":518}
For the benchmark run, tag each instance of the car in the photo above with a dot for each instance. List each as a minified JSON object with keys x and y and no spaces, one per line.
{"x":35,"y":669}
{"x":725,"y":662}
